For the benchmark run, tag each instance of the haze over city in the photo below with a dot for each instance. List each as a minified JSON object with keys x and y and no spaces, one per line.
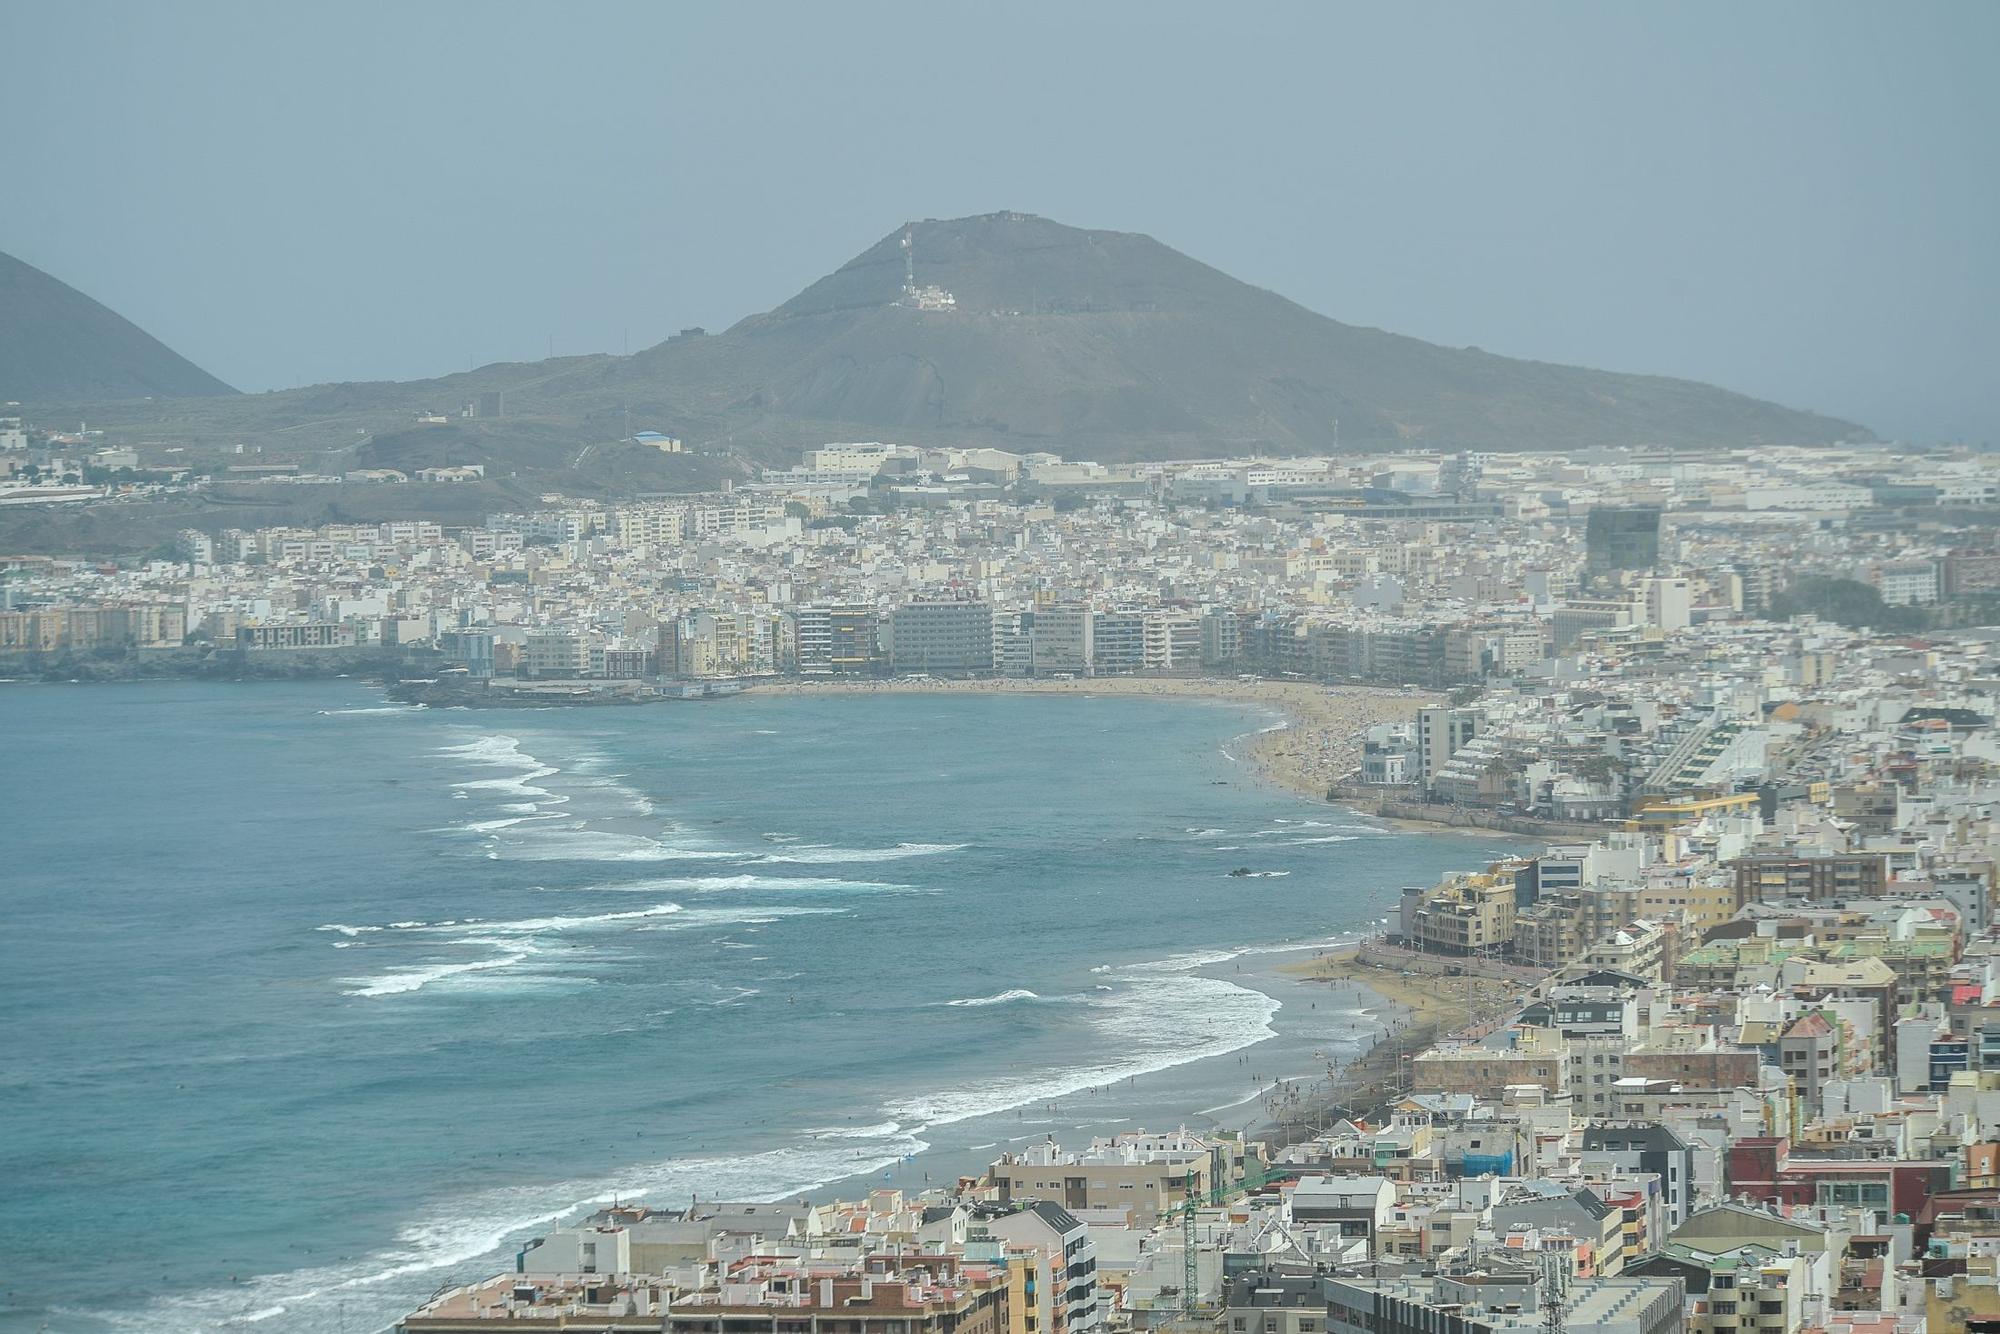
{"x":893,"y":669}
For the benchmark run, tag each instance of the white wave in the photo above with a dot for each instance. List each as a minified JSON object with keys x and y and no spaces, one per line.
{"x":522,"y":786}
{"x":1192,"y":832}
{"x":1319,"y":838}
{"x":1001,"y":999}
{"x":404,"y":980}
{"x":880,"y":1130}
{"x":813,"y":854}
{"x":593,"y":845}
{"x":1160,"y":1018}
{"x":374,"y":1290}
{"x":1263,"y":875}
{"x":378,"y":708}
{"x":534,"y":926}
{"x":346,"y":930}
{"x":488,"y":826}
{"x":496,"y":749}
{"x":502,"y":752}
{"x":713,"y":884}
{"x":698,"y":918}
{"x":1228,"y":847}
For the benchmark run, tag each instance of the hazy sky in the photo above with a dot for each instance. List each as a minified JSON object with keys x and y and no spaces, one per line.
{"x":1798,"y":201}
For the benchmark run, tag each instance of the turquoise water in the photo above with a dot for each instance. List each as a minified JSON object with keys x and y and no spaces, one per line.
{"x":314,"y":1004}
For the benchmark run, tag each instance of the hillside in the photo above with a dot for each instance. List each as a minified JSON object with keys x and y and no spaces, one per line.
{"x":1085,"y":343}
{"x":1111,"y":345}
{"x":59,"y":346}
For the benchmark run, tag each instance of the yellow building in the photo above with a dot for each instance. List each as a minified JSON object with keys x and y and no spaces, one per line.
{"x":1467,"y":914}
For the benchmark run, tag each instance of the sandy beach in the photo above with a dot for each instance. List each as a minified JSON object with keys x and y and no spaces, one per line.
{"x":1448,"y":1003}
{"x":1319,"y":745}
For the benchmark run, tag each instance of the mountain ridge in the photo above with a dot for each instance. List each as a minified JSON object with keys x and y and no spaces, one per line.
{"x":1086,"y":343}
{"x":1150,"y":345}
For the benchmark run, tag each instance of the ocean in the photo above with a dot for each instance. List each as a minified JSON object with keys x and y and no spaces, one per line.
{"x":315,"y":1003}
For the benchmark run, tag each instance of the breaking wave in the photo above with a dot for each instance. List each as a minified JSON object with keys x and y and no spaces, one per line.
{"x":1001,"y":999}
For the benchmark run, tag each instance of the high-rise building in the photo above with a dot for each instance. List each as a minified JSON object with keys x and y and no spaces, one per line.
{"x":1669,"y":603}
{"x":1441,"y":734}
{"x":837,"y":641}
{"x":942,"y":636}
{"x":1622,"y":539}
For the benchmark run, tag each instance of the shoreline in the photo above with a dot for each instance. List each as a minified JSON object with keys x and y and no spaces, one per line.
{"x":1316,"y":747}
{"x":1354,"y":1029}
{"x":1430,"y":1008}
{"x":1312,"y":754}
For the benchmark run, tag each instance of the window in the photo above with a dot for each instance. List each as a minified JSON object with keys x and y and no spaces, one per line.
{"x":1870,"y":1194}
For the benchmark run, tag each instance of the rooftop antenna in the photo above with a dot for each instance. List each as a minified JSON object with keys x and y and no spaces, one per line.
{"x":909,"y":257}
{"x":1190,"y":1272}
{"x":1553,"y":1284}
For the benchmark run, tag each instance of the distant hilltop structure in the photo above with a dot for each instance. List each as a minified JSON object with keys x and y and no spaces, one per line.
{"x":928,"y":297}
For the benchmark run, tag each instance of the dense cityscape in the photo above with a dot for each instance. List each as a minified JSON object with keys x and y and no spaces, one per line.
{"x":1733,"y":1063}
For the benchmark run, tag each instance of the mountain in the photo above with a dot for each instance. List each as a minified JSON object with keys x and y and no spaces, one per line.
{"x":59,"y":346}
{"x":1110,"y":344}
{"x":1090,"y":344}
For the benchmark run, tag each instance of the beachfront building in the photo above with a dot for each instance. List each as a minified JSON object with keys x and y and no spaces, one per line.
{"x":837,"y":641}
{"x":1147,"y":1173}
{"x":941,"y":637}
{"x":901,"y":1294}
{"x":1468,"y":914}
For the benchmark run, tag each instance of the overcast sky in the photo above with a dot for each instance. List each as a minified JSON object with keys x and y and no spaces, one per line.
{"x":1797,"y":201}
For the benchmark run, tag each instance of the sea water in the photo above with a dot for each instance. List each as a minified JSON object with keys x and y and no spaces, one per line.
{"x":314,"y":1003}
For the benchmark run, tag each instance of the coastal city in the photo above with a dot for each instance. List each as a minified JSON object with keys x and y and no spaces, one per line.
{"x":1721,"y":1052}
{"x":895,"y":668}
